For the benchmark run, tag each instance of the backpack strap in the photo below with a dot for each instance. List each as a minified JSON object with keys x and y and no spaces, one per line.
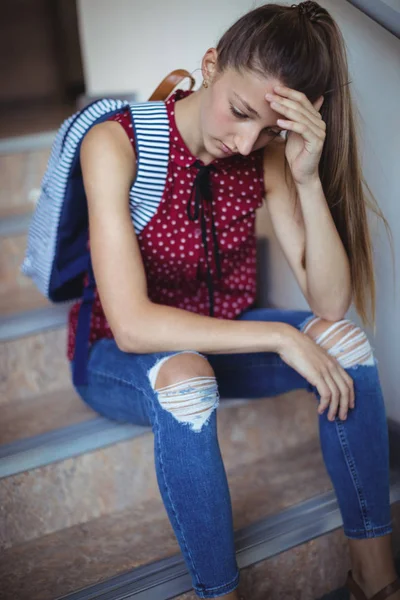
{"x":168,"y":84}
{"x":81,"y":355}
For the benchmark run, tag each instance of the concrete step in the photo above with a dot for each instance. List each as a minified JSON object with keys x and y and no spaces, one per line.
{"x":21,"y":172}
{"x":33,"y":416}
{"x":138,"y":532}
{"x":18,"y":293}
{"x":287,"y":547}
{"x":114,"y":476}
{"x":34,"y":365}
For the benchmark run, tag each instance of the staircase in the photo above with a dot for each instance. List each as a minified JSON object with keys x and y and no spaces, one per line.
{"x":81,"y":516}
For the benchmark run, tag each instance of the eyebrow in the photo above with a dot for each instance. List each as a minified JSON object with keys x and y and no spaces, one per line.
{"x":253,"y":111}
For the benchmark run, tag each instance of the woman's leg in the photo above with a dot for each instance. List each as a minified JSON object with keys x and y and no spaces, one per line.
{"x":355,"y":450}
{"x":371,"y":550}
{"x":179,"y":402}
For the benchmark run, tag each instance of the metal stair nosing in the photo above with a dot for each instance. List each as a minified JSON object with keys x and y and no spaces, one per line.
{"x":27,"y":143}
{"x":65,"y":442}
{"x":260,"y":541}
{"x":25,"y":323}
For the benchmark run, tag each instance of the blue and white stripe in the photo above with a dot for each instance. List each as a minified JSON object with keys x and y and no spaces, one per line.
{"x":151,"y":127}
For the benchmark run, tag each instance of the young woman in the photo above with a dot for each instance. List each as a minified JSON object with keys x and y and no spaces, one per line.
{"x":174,"y":327}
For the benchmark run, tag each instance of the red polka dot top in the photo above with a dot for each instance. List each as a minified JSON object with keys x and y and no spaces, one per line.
{"x":199,"y":248}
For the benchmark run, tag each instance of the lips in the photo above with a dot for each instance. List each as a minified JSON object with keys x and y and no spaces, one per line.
{"x":226,"y":149}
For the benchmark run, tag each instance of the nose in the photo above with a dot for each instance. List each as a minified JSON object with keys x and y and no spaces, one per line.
{"x":246,"y":142}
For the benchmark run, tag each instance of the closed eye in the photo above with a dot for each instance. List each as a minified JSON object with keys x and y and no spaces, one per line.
{"x":240,"y":115}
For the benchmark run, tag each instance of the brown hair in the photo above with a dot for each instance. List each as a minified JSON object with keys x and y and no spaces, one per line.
{"x":303,"y":47}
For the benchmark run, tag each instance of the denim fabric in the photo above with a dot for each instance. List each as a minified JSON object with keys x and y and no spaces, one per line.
{"x":189,"y":467}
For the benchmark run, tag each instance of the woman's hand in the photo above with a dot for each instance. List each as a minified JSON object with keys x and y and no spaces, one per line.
{"x":306,"y":131}
{"x":320,"y":369}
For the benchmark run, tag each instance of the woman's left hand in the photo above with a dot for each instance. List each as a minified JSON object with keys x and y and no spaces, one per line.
{"x":306,"y":131}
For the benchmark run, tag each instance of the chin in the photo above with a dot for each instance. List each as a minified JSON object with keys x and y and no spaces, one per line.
{"x":212,"y":149}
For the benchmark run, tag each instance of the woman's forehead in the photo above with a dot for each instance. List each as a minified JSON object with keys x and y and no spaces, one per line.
{"x":250,"y":82}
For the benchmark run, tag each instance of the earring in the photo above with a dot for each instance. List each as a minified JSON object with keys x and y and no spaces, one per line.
{"x":205,"y":84}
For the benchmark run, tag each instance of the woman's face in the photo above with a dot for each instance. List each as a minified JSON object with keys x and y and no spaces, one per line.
{"x":226,"y":115}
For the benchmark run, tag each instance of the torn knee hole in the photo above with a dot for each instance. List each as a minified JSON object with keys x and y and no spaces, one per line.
{"x":191,"y":401}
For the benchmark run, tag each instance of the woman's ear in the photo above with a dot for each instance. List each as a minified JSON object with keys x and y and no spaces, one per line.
{"x":209,"y":64}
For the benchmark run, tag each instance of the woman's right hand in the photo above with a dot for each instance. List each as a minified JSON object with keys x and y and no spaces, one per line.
{"x":320,"y":369}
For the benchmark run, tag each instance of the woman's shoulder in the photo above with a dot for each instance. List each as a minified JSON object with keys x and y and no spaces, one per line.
{"x":106,"y":149}
{"x":110,"y":134}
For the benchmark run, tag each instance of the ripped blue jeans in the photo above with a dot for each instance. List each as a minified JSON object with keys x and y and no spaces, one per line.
{"x":189,"y":467}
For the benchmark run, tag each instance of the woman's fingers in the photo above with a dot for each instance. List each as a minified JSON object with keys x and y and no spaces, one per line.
{"x":324,"y":391}
{"x":336,"y":390}
{"x":292,"y":113}
{"x":335,"y":395}
{"x":345,"y":383}
{"x":344,"y":394}
{"x":350,"y":384}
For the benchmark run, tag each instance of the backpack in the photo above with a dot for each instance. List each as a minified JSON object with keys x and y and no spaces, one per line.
{"x":57,"y":256}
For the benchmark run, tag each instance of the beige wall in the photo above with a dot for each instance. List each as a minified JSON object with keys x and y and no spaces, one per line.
{"x":131,"y":45}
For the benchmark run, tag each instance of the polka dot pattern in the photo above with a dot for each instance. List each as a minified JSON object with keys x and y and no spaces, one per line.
{"x":171,"y":244}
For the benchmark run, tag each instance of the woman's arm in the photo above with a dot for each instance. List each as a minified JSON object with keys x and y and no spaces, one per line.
{"x":139,"y":325}
{"x":328,"y":267}
{"x":307,"y":231}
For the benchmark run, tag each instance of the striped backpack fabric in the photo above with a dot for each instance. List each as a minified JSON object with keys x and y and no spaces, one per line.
{"x":57,"y":255}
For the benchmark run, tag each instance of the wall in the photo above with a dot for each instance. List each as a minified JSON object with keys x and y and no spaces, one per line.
{"x":126,"y":48}
{"x":131,"y":45}
{"x":29,"y":71}
{"x":69,"y":44}
{"x":39,"y":46}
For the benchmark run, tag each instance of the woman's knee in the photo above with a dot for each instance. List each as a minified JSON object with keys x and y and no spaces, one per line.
{"x":342,"y":339}
{"x":186,"y":386}
{"x":179,"y":367}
